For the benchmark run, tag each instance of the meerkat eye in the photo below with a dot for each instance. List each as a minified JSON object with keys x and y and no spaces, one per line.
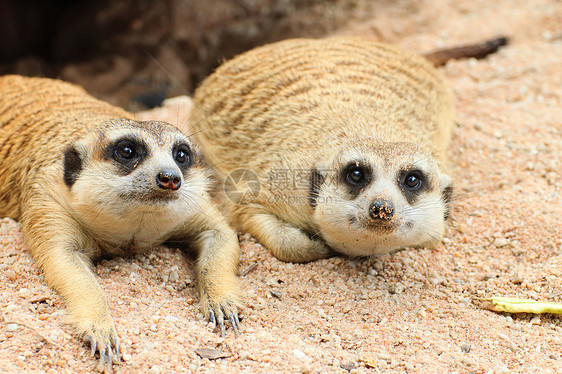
{"x":413,"y":180}
{"x":356,"y":175}
{"x":125,"y":150}
{"x":182,"y":155}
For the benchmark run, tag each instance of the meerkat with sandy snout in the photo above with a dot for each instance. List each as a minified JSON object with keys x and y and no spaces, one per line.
{"x":85,"y":179}
{"x":340,"y":144}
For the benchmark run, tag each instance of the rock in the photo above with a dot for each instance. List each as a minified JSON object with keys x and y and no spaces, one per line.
{"x":299,"y":354}
{"x":12,"y":327}
{"x":396,"y":288}
{"x":500,"y":242}
{"x":244,"y":355}
{"x":173,"y":277}
{"x":211,"y":354}
{"x":11,"y":275}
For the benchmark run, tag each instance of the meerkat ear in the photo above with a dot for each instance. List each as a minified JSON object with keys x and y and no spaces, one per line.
{"x":72,"y":165}
{"x":446,"y":186}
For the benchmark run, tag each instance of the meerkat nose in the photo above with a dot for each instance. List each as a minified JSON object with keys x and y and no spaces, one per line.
{"x":168,"y":180}
{"x":381,"y":210}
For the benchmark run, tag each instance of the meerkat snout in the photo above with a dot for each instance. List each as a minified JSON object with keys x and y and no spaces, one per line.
{"x":381,"y":210}
{"x":168,"y":180}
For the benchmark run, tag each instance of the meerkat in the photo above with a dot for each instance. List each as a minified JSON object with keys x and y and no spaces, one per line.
{"x":346,"y":140}
{"x":85,"y":179}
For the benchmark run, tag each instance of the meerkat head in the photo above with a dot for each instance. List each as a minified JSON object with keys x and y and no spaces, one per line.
{"x":378,"y":197}
{"x":128,"y":175}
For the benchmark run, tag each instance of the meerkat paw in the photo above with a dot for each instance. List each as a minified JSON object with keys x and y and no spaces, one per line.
{"x":102,"y":337}
{"x":219,"y":310}
{"x":299,"y":248}
{"x":287,"y":242}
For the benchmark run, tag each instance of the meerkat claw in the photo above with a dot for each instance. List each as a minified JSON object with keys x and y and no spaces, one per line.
{"x":108,"y":348}
{"x":108,"y":357}
{"x":235,"y":323}
{"x":213,"y":319}
{"x":219,"y":314}
{"x":93,"y":345}
{"x":117,"y":356}
{"x":105,"y":360}
{"x":221,"y":324}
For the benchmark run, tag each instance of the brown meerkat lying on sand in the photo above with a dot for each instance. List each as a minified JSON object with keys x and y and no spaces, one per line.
{"x":85,"y":179}
{"x":332,"y":144}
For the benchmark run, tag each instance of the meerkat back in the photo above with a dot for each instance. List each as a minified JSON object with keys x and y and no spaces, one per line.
{"x":300,"y":93}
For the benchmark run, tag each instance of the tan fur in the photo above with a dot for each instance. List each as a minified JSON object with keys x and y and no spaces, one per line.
{"x":304,"y":105}
{"x":66,"y":226}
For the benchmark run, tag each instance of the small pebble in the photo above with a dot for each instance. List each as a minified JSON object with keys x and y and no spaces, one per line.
{"x":173,"y":277}
{"x":500,"y":242}
{"x":396,"y":288}
{"x":465,"y":348}
{"x":244,"y":355}
{"x":384,"y":357}
{"x":11,"y":275}
{"x":12,"y":327}
{"x":299,"y":354}
{"x":349,"y":366}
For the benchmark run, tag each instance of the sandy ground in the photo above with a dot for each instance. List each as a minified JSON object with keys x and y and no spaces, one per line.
{"x":412,"y":311}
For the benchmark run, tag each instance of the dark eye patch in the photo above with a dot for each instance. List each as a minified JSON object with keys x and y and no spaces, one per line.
{"x":356,"y":176}
{"x":72,"y":166}
{"x":316,"y":180}
{"x":447,"y":197}
{"x":412,"y":183}
{"x":127,"y":153}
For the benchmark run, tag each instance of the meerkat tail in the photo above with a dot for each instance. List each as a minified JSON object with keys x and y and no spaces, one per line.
{"x":478,"y":50}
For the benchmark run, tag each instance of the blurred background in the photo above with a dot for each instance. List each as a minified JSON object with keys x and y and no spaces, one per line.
{"x":134,"y":53}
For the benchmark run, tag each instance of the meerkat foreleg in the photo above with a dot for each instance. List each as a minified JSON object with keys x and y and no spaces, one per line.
{"x":62,"y":251}
{"x":286,"y":242}
{"x":217,"y":264}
